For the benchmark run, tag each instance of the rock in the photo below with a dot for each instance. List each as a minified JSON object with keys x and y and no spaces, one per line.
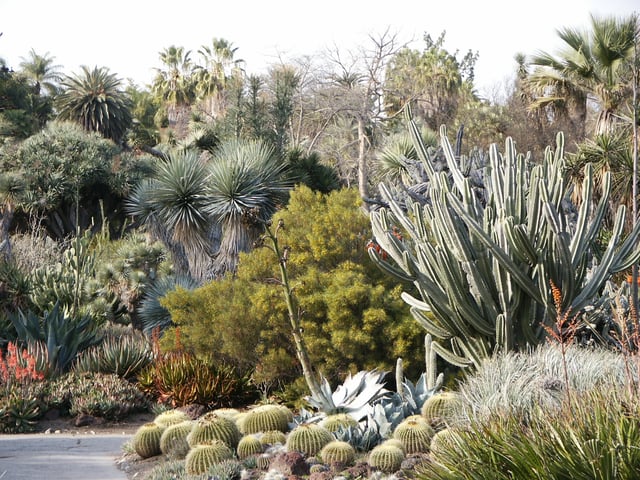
{"x":83,"y":420}
{"x":290,"y":463}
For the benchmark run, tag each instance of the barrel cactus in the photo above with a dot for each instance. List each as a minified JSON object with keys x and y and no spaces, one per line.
{"x":415,"y":433}
{"x":146,"y":440}
{"x":214,"y":427}
{"x":386,"y":457}
{"x":337,"y":421}
{"x":272,"y":437}
{"x":173,"y":441}
{"x":338,"y":452}
{"x":308,"y":439}
{"x":171,"y":417}
{"x":441,"y":441}
{"x":202,"y":456}
{"x":442,"y":407}
{"x":249,"y":445}
{"x":265,"y":418}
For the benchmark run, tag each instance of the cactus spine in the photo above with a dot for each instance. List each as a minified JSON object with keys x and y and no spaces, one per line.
{"x":265,"y":418}
{"x":308,"y":439}
{"x":173,"y":441}
{"x":338,"y":452}
{"x":415,"y":434}
{"x":214,"y":427}
{"x":249,"y":445}
{"x":482,"y":260}
{"x":146,"y":440}
{"x":386,"y":458}
{"x":202,"y":456}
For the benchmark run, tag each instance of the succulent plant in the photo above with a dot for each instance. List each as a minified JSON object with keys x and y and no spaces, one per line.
{"x":308,"y":439}
{"x":386,"y":458}
{"x":171,"y":417}
{"x":338,"y":420}
{"x":338,"y":452}
{"x":272,"y":437}
{"x":395,"y":442}
{"x":265,"y":418}
{"x":202,"y":456}
{"x":173,"y":441}
{"x":415,"y":433}
{"x":212,"y":426}
{"x":225,"y":470}
{"x":263,"y":462}
{"x":442,"y":407}
{"x":440,"y":441}
{"x":146,"y":440}
{"x":231,"y":413}
{"x":249,"y":445}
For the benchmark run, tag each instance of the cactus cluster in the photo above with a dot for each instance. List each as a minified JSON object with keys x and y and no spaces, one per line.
{"x":483,"y":258}
{"x":308,"y":439}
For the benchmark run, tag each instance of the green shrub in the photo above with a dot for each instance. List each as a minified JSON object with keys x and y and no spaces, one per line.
{"x":354,"y":318}
{"x":179,"y":379}
{"x":97,"y":394}
{"x":19,"y":414}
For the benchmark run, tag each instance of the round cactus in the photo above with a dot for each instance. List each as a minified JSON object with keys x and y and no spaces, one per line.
{"x":173,"y":441}
{"x":442,"y":407}
{"x":396,"y":443}
{"x":386,"y":458}
{"x":265,"y":418}
{"x":441,"y":441}
{"x":146,"y":440}
{"x":415,"y":433}
{"x":338,"y":452}
{"x":272,"y":437}
{"x":249,"y":445}
{"x":263,"y":462}
{"x":337,"y":421}
{"x":231,"y":413}
{"x":171,"y":417}
{"x":202,"y":456}
{"x":308,"y":439}
{"x":214,"y":427}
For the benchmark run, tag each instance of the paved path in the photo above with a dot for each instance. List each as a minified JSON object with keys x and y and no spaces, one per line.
{"x":61,"y":456}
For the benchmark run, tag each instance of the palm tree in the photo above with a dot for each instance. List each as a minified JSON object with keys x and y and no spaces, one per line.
{"x":41,"y":70}
{"x":219,"y":66}
{"x":247,"y":184}
{"x":175,"y":84}
{"x":94,"y":100}
{"x":595,"y":66}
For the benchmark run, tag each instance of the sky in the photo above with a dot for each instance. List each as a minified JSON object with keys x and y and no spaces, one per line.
{"x":127,"y":36}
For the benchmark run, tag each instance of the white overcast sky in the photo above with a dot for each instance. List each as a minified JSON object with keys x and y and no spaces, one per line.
{"x":126,"y":36}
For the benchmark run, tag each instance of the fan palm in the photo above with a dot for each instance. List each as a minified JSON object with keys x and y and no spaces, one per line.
{"x":94,"y":99}
{"x":594,"y":66}
{"x":41,"y":70}
{"x":247,"y":183}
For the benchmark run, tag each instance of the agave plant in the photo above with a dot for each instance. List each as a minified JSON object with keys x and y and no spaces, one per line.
{"x":356,"y":396}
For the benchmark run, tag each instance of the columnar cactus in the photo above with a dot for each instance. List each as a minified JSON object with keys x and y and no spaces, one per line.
{"x":202,"y":456}
{"x":308,"y":439}
{"x":483,"y":261}
{"x":214,"y":427}
{"x":146,"y":440}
